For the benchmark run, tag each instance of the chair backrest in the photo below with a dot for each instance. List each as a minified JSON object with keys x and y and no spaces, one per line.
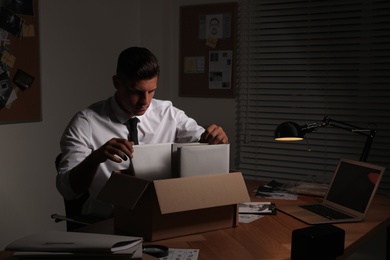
{"x":73,"y":208}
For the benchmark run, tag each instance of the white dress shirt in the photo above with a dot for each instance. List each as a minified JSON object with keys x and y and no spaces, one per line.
{"x":92,"y":127}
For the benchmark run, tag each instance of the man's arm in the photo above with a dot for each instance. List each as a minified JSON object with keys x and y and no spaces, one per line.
{"x":116,"y":149}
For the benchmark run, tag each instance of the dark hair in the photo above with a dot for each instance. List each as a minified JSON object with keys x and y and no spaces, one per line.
{"x":137,"y":63}
{"x":214,"y":19}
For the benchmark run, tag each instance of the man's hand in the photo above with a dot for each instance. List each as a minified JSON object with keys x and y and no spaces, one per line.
{"x":214,"y":135}
{"x":116,"y":149}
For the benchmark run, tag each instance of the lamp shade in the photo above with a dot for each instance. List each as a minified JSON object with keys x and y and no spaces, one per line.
{"x":289,"y":131}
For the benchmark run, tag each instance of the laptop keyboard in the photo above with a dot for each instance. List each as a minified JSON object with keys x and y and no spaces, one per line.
{"x":325,"y":211}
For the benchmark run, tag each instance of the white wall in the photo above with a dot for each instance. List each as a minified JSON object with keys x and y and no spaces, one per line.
{"x":79,"y":44}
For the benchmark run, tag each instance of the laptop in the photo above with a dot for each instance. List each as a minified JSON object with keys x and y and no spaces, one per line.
{"x":348,"y":198}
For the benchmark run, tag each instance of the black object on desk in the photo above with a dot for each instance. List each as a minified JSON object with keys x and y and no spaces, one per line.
{"x":156,"y":250}
{"x":323,"y":241}
{"x":267,"y":189}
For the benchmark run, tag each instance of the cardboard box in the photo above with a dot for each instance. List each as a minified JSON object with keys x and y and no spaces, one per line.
{"x":174,"y":207}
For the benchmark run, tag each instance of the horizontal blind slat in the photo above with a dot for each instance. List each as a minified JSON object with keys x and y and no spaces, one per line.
{"x":302,"y":60}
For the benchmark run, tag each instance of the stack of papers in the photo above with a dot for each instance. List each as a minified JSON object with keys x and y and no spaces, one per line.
{"x":275,"y":190}
{"x":74,"y":244}
{"x":251,"y":211}
{"x":267,"y":208}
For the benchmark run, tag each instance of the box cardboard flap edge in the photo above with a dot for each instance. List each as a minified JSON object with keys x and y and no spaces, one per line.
{"x":199,"y":192}
{"x":178,"y":194}
{"x":130,"y":187}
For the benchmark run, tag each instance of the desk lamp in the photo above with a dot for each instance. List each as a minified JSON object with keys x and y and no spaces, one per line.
{"x":291,"y":131}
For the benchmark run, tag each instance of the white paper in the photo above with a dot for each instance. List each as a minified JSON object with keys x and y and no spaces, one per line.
{"x":255,"y":207}
{"x":181,"y":254}
{"x":220,"y":69}
{"x":74,"y":242}
{"x":248,"y":218}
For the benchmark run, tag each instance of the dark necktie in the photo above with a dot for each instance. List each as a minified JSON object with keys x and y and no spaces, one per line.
{"x":133,"y":136}
{"x":133,"y":133}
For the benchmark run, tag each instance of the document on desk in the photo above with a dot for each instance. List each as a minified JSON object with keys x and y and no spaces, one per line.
{"x":181,"y":254}
{"x":251,"y":211}
{"x":248,"y":218}
{"x":262,"y":208}
{"x":75,"y":244}
{"x":275,"y":190}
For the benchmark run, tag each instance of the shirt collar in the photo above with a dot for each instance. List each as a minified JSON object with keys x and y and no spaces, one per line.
{"x":121,"y":115}
{"x":117,"y":112}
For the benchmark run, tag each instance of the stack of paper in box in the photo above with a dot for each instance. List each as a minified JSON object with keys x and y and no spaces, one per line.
{"x":172,"y":160}
{"x":57,"y":244}
{"x":175,"y":190}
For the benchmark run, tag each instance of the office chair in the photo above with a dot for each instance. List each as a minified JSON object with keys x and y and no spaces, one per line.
{"x":73,"y":208}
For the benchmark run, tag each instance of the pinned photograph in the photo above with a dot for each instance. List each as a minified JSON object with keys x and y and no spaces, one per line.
{"x":10,"y":22}
{"x":220,"y":69}
{"x":23,"y":80}
{"x":5,"y":89}
{"x":214,"y":26}
{"x":21,"y":7}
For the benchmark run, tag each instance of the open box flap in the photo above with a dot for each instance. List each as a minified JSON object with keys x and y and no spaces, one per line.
{"x":123,"y":190}
{"x":190,"y":193}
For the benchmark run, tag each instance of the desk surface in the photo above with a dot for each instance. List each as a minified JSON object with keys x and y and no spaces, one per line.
{"x":270,"y":236}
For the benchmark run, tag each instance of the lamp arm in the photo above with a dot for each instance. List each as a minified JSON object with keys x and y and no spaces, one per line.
{"x":308,"y":128}
{"x":367,"y":146}
{"x":301,"y":131}
{"x":369,"y":133}
{"x":348,"y":127}
{"x":327,"y":121}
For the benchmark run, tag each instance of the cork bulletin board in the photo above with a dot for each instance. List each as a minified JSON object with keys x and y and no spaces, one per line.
{"x":208,"y":50}
{"x":20,"y":92}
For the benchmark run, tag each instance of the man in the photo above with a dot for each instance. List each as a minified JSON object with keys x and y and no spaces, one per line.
{"x":214,"y":26}
{"x":95,"y":142}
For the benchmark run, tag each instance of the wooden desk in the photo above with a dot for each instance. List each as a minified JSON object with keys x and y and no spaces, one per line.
{"x":270,"y":236}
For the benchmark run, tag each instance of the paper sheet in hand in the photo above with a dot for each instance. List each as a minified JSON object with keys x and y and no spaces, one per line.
{"x":152,"y":161}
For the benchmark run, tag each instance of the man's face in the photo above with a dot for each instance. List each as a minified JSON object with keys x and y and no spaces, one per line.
{"x":214,"y":26}
{"x":135,"y":98}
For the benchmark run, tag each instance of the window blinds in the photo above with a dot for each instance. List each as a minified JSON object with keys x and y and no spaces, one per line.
{"x":304,"y":60}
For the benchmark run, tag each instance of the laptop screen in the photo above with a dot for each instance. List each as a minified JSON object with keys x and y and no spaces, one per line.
{"x":353,"y":184}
